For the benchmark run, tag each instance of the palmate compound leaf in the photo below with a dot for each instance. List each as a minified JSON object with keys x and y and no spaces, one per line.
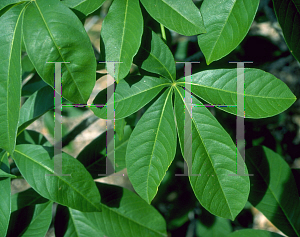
{"x":131,"y":94}
{"x":10,"y":76}
{"x":273,"y":189}
{"x":227,"y":23}
{"x":53,"y":33}
{"x":77,"y":191}
{"x":151,"y":147}
{"x":123,"y":214}
{"x":121,"y":33}
{"x":264,"y":96}
{"x":181,"y":16}
{"x":214,"y":159}
{"x":288,"y":15}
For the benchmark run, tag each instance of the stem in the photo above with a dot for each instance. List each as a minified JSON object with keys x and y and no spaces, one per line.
{"x":163,"y":33}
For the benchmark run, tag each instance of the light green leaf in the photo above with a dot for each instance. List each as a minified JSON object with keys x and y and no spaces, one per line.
{"x":5,"y":198}
{"x":273,"y":189}
{"x":181,"y":16}
{"x":251,"y":233}
{"x":119,"y":128}
{"x":45,"y":42}
{"x":40,"y":221}
{"x":151,"y":147}
{"x":227,"y":22}
{"x":10,"y":76}
{"x":121,"y":33}
{"x":216,"y":189}
{"x":288,"y":15}
{"x":126,"y":214}
{"x":264,"y":96}
{"x":131,"y":94}
{"x":85,"y":6}
{"x":32,"y":109}
{"x":155,"y":56}
{"x":219,"y":227}
{"x":77,"y":191}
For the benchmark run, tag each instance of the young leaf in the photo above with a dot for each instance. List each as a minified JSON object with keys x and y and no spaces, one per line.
{"x":10,"y":76}
{"x":227,"y":23}
{"x":84,"y":6}
{"x":273,"y":189}
{"x":264,"y":96}
{"x":61,"y":40}
{"x":252,"y":232}
{"x":288,"y":15}
{"x":131,"y":94}
{"x":214,"y":159}
{"x":77,"y":191}
{"x":151,"y":147}
{"x":121,"y":33}
{"x":155,"y":56}
{"x":126,"y":214}
{"x":181,"y":16}
{"x":5,"y":198}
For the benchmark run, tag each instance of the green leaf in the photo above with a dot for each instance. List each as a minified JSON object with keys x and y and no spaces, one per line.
{"x":264,"y":96}
{"x":77,"y":191}
{"x":219,"y":227}
{"x":5,"y":198}
{"x":84,"y":6}
{"x":33,"y":109}
{"x":126,"y":214}
{"x":155,"y":56}
{"x":45,"y":42}
{"x":32,"y":137}
{"x":26,"y":198}
{"x":216,"y":189}
{"x":273,"y":189}
{"x":251,"y":233}
{"x":5,"y":3}
{"x":121,"y":33}
{"x":181,"y":16}
{"x":131,"y":94}
{"x":34,"y":84}
{"x":151,"y":147}
{"x":288,"y":15}
{"x":119,"y":128}
{"x":227,"y":22}
{"x":121,"y":148}
{"x":70,"y":222}
{"x":10,"y":76}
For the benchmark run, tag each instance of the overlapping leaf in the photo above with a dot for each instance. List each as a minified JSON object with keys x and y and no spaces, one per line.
{"x":53,"y":33}
{"x":155,"y":56}
{"x":84,"y":6}
{"x":121,"y":34}
{"x":131,"y":94}
{"x":10,"y":76}
{"x":264,"y":96}
{"x":77,"y":191}
{"x":151,"y":147}
{"x":251,"y":233}
{"x":5,"y":3}
{"x":288,"y":15}
{"x":227,"y":22}
{"x":214,"y":159}
{"x":181,"y":16}
{"x":273,"y":189}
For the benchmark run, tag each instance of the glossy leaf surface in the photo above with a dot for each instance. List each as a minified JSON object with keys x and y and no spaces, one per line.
{"x":181,"y":16}
{"x":151,"y":147}
{"x":10,"y":76}
{"x":227,"y":22}
{"x":216,"y":189}
{"x":264,"y":96}
{"x":45,"y":42}
{"x":77,"y":191}
{"x":273,"y":189}
{"x":121,"y":33}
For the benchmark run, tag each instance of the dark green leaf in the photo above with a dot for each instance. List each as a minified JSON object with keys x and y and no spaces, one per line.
{"x":227,"y":22}
{"x":251,"y":233}
{"x":220,"y":227}
{"x":181,"y":16}
{"x":151,"y":147}
{"x":119,"y":127}
{"x":273,"y":189}
{"x":84,"y":6}
{"x":121,"y":32}
{"x":45,"y":42}
{"x":5,"y":3}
